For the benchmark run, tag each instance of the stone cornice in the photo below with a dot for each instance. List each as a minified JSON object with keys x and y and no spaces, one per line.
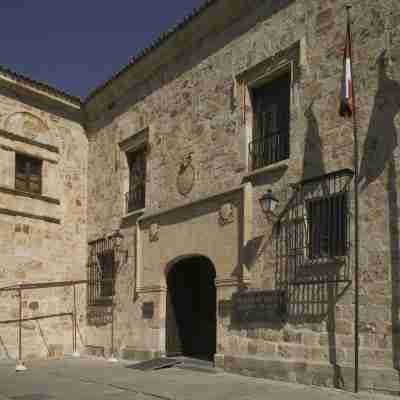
{"x":152,"y":289}
{"x":22,"y":139}
{"x":40,"y":88}
{"x":15,"y":192}
{"x":213,"y":196}
{"x":15,"y":213}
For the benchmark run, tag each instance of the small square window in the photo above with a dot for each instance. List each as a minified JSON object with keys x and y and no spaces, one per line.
{"x":28,"y":174}
{"x":271,"y":115}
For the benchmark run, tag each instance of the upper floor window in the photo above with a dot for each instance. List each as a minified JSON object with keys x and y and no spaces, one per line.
{"x":135,"y":198}
{"x":28,"y":174}
{"x":271,"y":115}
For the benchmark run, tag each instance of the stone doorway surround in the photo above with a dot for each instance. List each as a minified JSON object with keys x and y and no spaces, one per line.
{"x":217,"y":227}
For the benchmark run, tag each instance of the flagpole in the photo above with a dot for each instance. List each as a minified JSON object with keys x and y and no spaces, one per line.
{"x":356,"y":220}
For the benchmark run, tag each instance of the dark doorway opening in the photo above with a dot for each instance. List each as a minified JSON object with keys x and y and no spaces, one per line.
{"x":191,"y":309}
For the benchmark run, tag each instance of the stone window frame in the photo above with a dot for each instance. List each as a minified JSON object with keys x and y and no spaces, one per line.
{"x":287,"y":61}
{"x":28,"y":161}
{"x":13,"y":144}
{"x":139,"y":141}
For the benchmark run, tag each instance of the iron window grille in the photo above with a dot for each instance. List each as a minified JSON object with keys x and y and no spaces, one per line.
{"x":101,"y":271}
{"x":313,"y":233}
{"x":28,"y":174}
{"x":135,"y":198}
{"x":271,"y":115}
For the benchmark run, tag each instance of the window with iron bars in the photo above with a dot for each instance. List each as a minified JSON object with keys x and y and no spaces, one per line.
{"x":271,"y":115}
{"x":101,"y":272}
{"x":327,"y":234}
{"x":28,"y":174}
{"x":313,"y":233}
{"x":135,"y":198}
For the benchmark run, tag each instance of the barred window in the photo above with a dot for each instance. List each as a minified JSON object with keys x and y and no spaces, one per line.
{"x":28,"y":174}
{"x":312,"y":235}
{"x":135,"y":198}
{"x":327,"y":226}
{"x":101,"y":272}
{"x":271,"y":111}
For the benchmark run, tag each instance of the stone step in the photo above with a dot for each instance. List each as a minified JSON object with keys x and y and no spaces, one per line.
{"x":195,"y":364}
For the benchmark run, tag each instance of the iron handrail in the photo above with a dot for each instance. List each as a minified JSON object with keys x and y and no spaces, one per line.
{"x":40,"y":285}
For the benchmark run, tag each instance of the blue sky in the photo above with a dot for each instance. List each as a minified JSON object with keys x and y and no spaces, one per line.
{"x":75,"y":45}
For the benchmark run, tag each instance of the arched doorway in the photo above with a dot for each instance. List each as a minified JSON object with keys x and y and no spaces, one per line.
{"x":191,"y":308}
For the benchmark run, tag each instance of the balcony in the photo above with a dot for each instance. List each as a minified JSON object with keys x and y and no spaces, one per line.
{"x":269,"y":150}
{"x":135,"y":198}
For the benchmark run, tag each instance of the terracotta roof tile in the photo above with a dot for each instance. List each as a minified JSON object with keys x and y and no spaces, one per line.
{"x":39,"y":85}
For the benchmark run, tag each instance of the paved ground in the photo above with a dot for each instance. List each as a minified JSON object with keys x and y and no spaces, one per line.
{"x":82,"y":379}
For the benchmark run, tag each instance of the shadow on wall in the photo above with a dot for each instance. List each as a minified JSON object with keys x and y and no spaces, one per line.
{"x":378,"y":155}
{"x":313,"y":162}
{"x":317,"y":302}
{"x":381,"y":137}
{"x":5,"y":349}
{"x":290,"y":301}
{"x":313,"y":165}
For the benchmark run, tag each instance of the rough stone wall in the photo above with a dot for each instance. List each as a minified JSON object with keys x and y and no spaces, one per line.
{"x":42,"y":238}
{"x":194,"y":105}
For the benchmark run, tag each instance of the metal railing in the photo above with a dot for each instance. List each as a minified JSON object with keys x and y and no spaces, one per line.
{"x":312,"y":236}
{"x":135,"y":198}
{"x":105,"y":258}
{"x":20,"y":287}
{"x":101,"y":271}
{"x":269,"y":149}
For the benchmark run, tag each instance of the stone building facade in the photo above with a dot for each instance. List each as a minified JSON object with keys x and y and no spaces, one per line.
{"x":43,"y":222}
{"x":175,"y":152}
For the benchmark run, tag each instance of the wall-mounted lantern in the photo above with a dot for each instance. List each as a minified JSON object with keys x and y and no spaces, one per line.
{"x":268,"y":203}
{"x":118,"y":237}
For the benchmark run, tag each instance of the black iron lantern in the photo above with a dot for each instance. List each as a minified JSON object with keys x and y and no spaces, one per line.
{"x":268,"y":202}
{"x":118,"y":237}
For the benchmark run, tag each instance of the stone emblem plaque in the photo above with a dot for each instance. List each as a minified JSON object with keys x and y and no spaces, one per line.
{"x":186,"y":176}
{"x":226,"y":214}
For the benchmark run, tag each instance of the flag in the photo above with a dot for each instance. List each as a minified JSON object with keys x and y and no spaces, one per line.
{"x":346,"y":92}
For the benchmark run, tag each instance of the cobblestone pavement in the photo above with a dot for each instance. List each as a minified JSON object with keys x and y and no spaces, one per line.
{"x":81,"y":379}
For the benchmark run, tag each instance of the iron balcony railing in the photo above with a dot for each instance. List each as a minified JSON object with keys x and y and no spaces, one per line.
{"x":135,"y":198}
{"x":269,"y":149}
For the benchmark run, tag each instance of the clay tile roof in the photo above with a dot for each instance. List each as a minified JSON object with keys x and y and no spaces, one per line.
{"x":39,"y":85}
{"x":153,"y":46}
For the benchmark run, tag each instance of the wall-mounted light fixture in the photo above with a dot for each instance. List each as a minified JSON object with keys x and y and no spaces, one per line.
{"x":118,"y":239}
{"x":268,"y":203}
{"x":118,"y":245}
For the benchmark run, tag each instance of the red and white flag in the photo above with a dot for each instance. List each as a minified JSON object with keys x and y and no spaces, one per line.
{"x":346,"y":92}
